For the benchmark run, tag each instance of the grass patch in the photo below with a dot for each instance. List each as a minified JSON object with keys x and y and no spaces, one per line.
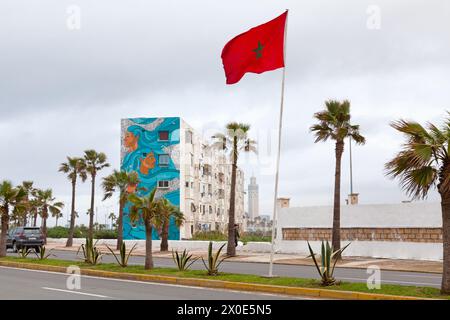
{"x":390,"y":289}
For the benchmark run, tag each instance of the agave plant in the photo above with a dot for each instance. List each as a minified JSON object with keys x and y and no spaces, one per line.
{"x":183,"y":260}
{"x":91,"y":254}
{"x":41,"y":253}
{"x":329,"y":258}
{"x":214,"y":260}
{"x":24,"y":252}
{"x":122,"y":258}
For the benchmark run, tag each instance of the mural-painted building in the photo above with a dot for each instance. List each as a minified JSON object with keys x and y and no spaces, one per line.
{"x":168,"y":155}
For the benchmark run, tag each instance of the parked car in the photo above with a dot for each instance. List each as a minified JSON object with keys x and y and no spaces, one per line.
{"x":30,"y":237}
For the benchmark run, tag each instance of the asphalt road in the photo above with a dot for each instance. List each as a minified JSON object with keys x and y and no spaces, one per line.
{"x":22,"y":284}
{"x":344,"y":274}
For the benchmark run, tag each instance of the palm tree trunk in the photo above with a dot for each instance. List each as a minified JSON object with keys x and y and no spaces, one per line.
{"x":69,"y":242}
{"x":164,"y":236}
{"x":445,"y":205}
{"x":336,"y":234}
{"x":35,"y":219}
{"x":91,"y":213}
{"x":56,"y":221}
{"x":5,"y":222}
{"x":120,"y":224}
{"x":231,"y":248}
{"x":148,"y":246}
{"x":44,"y":226}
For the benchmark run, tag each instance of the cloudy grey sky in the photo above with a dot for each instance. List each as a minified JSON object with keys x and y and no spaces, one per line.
{"x":64,"y":90}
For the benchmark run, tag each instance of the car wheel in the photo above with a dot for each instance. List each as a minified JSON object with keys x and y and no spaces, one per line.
{"x":15,"y":249}
{"x":37,"y":249}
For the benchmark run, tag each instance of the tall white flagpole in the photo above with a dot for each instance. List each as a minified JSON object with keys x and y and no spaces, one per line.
{"x":280,"y":126}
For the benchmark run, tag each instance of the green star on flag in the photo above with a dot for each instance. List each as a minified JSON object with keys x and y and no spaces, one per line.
{"x":258,"y":50}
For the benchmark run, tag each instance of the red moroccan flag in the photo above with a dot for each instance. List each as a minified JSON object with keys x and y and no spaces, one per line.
{"x":258,"y":50}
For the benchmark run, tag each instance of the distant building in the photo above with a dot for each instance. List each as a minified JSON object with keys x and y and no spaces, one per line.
{"x":170,"y":156}
{"x":253,"y":199}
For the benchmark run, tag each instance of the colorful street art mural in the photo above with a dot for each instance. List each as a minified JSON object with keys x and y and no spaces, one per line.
{"x":151,"y":147}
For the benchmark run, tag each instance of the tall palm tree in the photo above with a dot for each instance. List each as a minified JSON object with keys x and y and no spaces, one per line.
{"x":334,"y":123}
{"x":95,"y":161}
{"x":27,"y":187}
{"x":123,"y":182}
{"x":10,"y":201}
{"x":74,"y":168}
{"x":234,"y":140}
{"x":167,"y":212}
{"x":147,"y":209}
{"x":47,"y":203}
{"x":424,"y":164}
{"x":112,"y":216}
{"x":57,"y":216}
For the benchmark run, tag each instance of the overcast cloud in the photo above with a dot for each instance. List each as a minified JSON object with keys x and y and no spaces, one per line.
{"x":63,"y":91}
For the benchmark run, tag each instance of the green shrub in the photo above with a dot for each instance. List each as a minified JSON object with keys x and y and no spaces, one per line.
{"x":328,"y":259}
{"x":122,"y":258}
{"x":80,"y":232}
{"x":214,"y":261}
{"x":57,"y":232}
{"x":183,"y":260}
{"x":256,"y":236}
{"x":91,"y":254}
{"x":210,"y":235}
{"x":105,"y":234}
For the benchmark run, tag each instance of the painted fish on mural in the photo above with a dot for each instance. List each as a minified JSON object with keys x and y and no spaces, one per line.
{"x":150,"y":146}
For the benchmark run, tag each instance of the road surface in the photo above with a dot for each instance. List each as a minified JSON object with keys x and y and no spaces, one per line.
{"x":344,"y":274}
{"x":23,"y":284}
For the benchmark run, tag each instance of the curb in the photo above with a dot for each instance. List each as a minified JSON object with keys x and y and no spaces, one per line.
{"x":207,"y":283}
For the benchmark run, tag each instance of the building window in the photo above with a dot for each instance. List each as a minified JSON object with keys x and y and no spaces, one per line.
{"x":210,"y":189}
{"x":221,"y":194}
{"x":187,"y":184}
{"x":163,"y":135}
{"x":210,"y":209}
{"x":207,"y":170}
{"x":163,"y":184}
{"x":188,"y":136}
{"x":163,"y":160}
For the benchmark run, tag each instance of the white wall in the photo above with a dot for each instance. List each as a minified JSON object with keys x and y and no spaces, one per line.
{"x":412,"y":215}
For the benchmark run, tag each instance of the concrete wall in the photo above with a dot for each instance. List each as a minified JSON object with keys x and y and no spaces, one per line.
{"x":403,"y":215}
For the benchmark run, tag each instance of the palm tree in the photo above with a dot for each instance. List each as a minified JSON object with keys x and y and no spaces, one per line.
{"x":10,"y":201}
{"x":235,"y":140}
{"x":57,"y":216}
{"x":167,"y":212}
{"x":424,"y":164}
{"x":147,"y":209}
{"x":95,"y":161}
{"x":74,"y":168}
{"x":334,"y":123}
{"x":27,"y":186}
{"x":112,"y":216}
{"x":47,"y":203}
{"x":124,"y":182}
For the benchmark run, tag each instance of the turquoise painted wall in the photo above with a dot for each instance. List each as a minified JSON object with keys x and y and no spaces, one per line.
{"x":141,"y":152}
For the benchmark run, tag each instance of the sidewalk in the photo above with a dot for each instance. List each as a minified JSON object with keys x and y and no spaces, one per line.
{"x":292,"y":259}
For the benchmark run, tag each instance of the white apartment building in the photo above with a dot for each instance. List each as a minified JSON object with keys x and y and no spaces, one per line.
{"x":205,"y":184}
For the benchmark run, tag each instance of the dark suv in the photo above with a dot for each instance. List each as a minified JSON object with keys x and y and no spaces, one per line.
{"x":30,"y":237}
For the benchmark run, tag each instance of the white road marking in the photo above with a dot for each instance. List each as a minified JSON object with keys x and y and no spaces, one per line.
{"x":165,"y":284}
{"x":77,"y":292}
